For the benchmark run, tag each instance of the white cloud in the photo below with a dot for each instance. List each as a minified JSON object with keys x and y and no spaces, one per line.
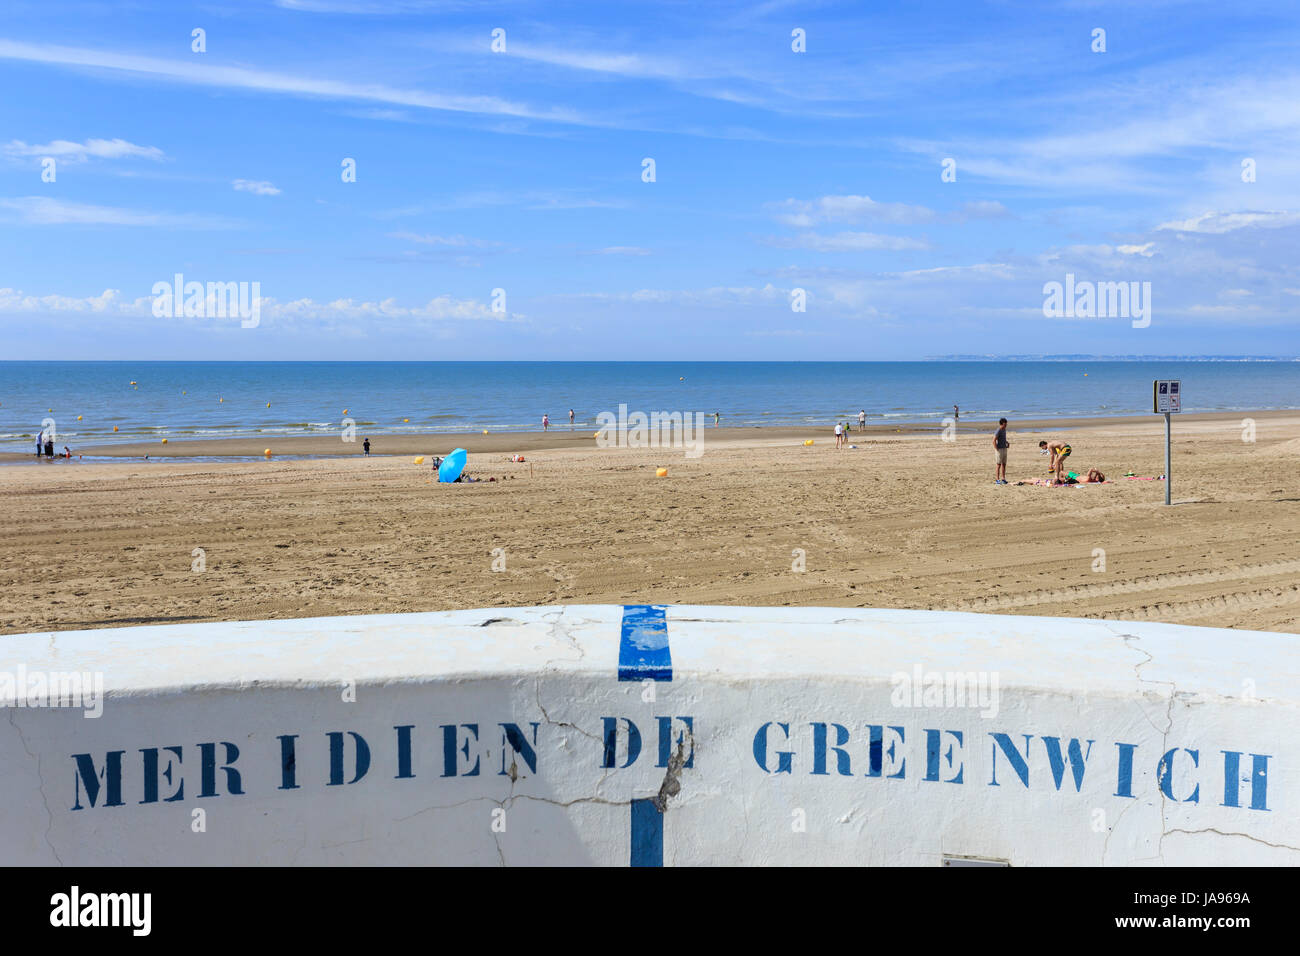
{"x":257,"y":187}
{"x":851,"y":209}
{"x":846,"y":242}
{"x":200,"y":72}
{"x":70,"y":152}
{"x":983,"y":209}
{"x":458,"y":242}
{"x":1221,"y":222}
{"x":15,"y":301}
{"x":110,"y":301}
{"x":44,"y":211}
{"x":1143,"y":250}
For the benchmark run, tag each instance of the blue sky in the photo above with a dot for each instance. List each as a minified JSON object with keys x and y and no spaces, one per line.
{"x":522,"y":170}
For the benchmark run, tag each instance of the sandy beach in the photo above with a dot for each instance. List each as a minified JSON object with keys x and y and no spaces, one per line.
{"x":904,"y":520}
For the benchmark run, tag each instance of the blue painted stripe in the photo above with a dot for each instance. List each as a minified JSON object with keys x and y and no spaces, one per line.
{"x":643,"y":651}
{"x":647,"y":834}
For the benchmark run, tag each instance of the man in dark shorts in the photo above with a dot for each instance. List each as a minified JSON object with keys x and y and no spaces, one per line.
{"x":365,"y":445}
{"x":1000,"y":445}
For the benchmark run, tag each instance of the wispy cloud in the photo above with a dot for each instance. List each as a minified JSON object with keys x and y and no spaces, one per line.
{"x":455,"y":242}
{"x":1221,"y":222}
{"x":846,"y":242}
{"x":70,"y":152}
{"x":110,"y":301}
{"x":847,"y":209}
{"x":44,"y":211}
{"x":235,"y":77}
{"x":257,"y":187}
{"x":621,"y":251}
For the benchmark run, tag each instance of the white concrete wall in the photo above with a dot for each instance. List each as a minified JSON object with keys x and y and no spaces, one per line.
{"x":1136,"y":691}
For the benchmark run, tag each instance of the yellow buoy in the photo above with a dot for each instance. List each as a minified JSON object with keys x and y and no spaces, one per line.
{"x":221,"y":399}
{"x":807,"y":442}
{"x":485,"y":431}
{"x":345,"y":411}
{"x":78,"y":418}
{"x":114,"y":428}
{"x":406,"y":419}
{"x":133,"y":383}
{"x":164,"y":441}
{"x":267,"y":452}
{"x":268,"y":404}
{"x":418,"y":460}
{"x":661,"y":472}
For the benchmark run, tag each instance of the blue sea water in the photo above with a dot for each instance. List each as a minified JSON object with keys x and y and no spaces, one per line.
{"x":187,"y":400}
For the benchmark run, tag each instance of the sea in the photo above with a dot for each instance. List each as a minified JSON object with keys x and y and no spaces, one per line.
{"x":149,"y":401}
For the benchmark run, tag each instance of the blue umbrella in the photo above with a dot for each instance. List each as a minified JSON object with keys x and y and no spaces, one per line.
{"x":452,"y":465}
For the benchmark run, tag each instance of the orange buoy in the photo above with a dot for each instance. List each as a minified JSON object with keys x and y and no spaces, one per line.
{"x":661,"y":473}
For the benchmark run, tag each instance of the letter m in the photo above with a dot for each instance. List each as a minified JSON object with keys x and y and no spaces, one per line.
{"x":86,"y":776}
{"x":1078,"y":760}
{"x":1115,"y":297}
{"x":225,"y":295}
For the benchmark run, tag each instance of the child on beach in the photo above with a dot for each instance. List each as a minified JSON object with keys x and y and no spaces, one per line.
{"x":1000,"y":445}
{"x":1059,"y":451}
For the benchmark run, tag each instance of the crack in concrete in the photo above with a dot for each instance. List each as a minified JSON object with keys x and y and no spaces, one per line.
{"x":40,"y":780}
{"x":1280,"y":846}
{"x":1130,"y":641}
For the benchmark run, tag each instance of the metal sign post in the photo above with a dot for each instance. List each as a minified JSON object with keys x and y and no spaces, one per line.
{"x":1167,"y":399}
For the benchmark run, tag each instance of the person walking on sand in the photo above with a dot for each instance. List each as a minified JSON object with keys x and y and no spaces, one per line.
{"x":1000,"y":445}
{"x":546,"y":422}
{"x":571,"y":418}
{"x":862,"y":420}
{"x":956,"y":414}
{"x":1059,"y":451}
{"x":365,"y":446}
{"x":839,"y":435}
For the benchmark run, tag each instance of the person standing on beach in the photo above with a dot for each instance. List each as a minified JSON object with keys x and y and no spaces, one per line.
{"x":546,"y":422}
{"x":365,"y":446}
{"x":571,"y":418}
{"x":716,"y":416}
{"x":1000,"y":445}
{"x":40,"y":443}
{"x":862,"y":420}
{"x":956,"y":414}
{"x":839,"y":435}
